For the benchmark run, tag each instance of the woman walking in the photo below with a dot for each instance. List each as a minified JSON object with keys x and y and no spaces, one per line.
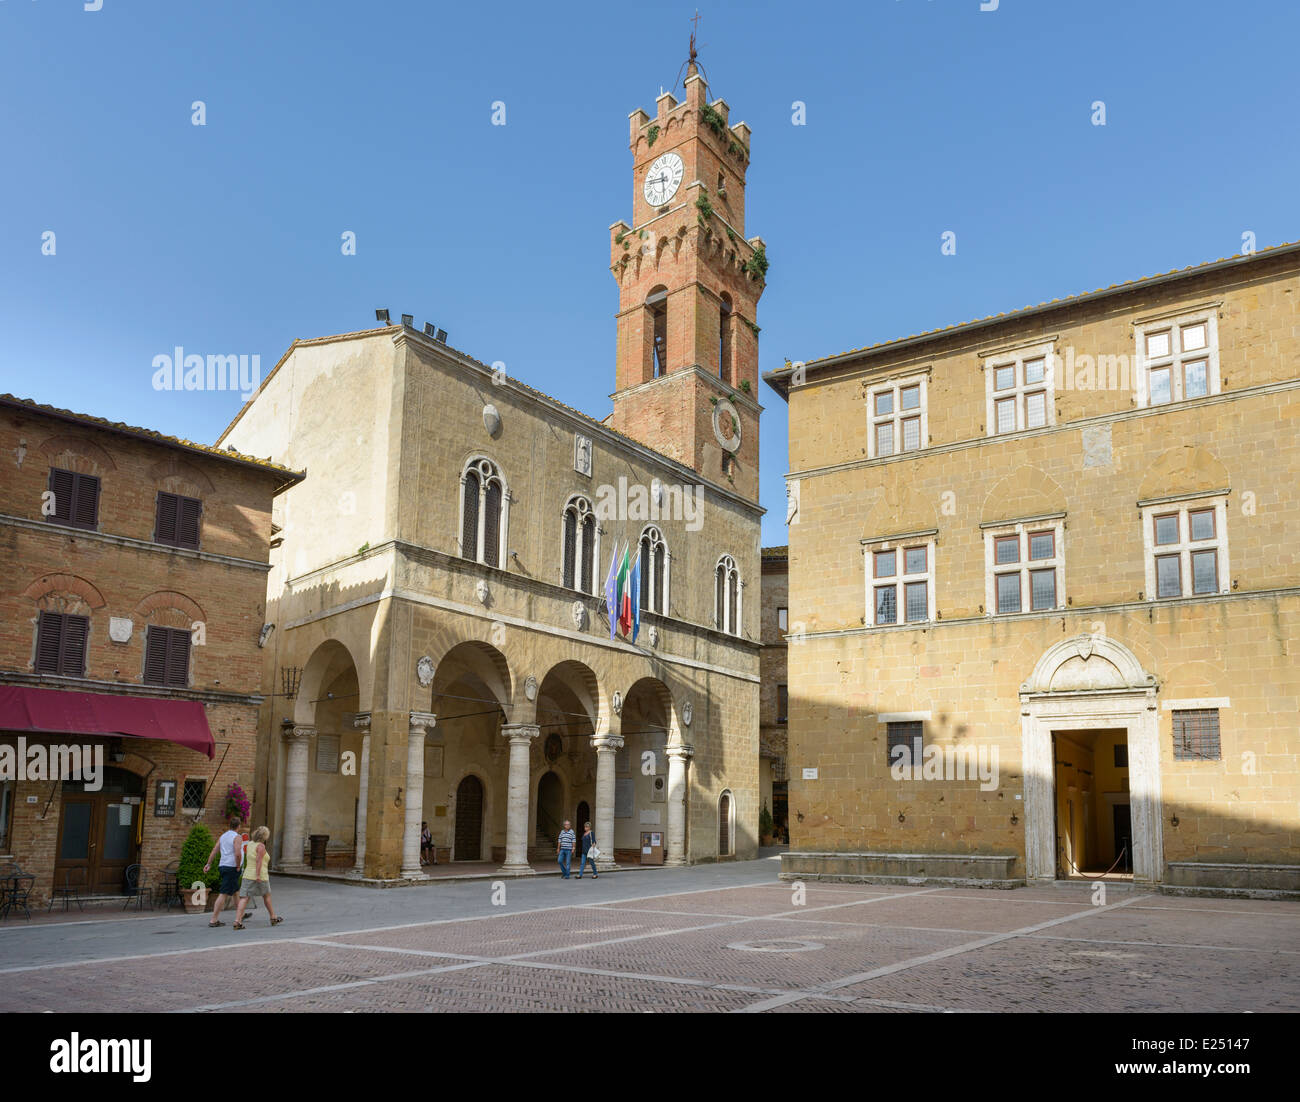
{"x":588,"y":844}
{"x":257,"y":877}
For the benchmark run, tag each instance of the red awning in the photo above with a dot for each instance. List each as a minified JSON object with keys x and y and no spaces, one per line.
{"x":57,"y":711}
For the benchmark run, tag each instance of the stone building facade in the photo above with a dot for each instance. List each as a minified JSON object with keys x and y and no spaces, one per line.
{"x":438,"y":582}
{"x":774,"y":703}
{"x":131,"y":610}
{"x":1068,"y":536}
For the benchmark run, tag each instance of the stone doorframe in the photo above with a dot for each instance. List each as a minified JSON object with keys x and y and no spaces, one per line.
{"x":1090,"y":683}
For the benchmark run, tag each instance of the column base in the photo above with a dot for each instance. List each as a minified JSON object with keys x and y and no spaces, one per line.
{"x":675,"y":862}
{"x":355,"y":873}
{"x":517,"y":870}
{"x":416,"y":873}
{"x":294,"y":866}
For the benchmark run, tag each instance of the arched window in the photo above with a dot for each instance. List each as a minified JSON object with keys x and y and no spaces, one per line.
{"x":726,"y":824}
{"x":654,"y":571}
{"x":657,"y":307}
{"x":726,"y":603}
{"x":724,"y":339}
{"x":484,"y":509}
{"x":580,"y":551}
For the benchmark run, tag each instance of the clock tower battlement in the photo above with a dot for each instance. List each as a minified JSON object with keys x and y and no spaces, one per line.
{"x":689,"y":284}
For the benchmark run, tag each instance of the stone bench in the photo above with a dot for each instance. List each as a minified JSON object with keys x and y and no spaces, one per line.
{"x":973,"y":869}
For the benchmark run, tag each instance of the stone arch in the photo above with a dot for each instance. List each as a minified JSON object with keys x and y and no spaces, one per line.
{"x":64,"y":593}
{"x":1087,"y":663}
{"x":178,"y":477}
{"x":1188,"y":468}
{"x":1025,"y":492}
{"x":476,"y":660}
{"x":76,"y":453}
{"x":898,"y":508}
{"x":330,"y":660}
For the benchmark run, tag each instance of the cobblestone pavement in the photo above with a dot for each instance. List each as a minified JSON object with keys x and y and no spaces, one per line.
{"x":718,"y":938}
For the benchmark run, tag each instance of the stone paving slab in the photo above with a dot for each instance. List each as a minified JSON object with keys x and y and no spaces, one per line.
{"x":505,"y":988}
{"x":1038,"y":975}
{"x":710,"y":940}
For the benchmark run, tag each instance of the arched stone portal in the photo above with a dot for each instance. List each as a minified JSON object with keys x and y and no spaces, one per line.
{"x":1090,"y":682}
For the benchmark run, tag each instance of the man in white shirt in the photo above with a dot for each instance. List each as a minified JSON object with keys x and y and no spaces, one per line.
{"x":231,"y":847}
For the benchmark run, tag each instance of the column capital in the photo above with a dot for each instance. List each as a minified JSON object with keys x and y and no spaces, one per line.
{"x":298,"y":731}
{"x":607,"y":744}
{"x":423,"y":720}
{"x":361,"y":721}
{"x":520,"y":732}
{"x":683,"y":752}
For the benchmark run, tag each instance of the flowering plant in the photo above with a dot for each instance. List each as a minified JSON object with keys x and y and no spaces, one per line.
{"x":237,"y":802}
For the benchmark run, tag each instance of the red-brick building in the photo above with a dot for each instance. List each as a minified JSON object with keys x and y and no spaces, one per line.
{"x":131,"y":613}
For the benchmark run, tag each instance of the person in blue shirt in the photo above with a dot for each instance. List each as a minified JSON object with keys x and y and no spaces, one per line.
{"x":564,"y":848}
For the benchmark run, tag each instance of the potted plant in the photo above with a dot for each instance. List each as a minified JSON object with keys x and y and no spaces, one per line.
{"x":764,"y":827}
{"x":194,"y":853}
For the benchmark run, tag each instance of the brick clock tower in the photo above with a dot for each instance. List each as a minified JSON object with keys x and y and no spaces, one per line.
{"x":689,"y":283}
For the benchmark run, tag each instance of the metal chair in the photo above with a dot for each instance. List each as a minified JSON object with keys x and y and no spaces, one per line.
{"x":137,"y":889}
{"x":70,"y":890}
{"x":20,"y":887}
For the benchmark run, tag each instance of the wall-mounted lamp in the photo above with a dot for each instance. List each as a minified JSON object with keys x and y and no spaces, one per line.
{"x":265,"y":634}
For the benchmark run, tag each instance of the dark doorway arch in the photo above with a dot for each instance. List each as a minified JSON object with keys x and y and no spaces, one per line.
{"x":469,"y":819}
{"x":581,"y":817}
{"x":550,"y":808}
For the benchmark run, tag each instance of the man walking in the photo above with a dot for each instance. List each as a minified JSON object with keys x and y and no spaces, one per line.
{"x":564,"y":849}
{"x":231,"y":847}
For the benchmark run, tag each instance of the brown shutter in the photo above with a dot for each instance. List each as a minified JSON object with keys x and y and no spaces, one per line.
{"x":178,"y":658}
{"x":72,"y":659}
{"x":155,"y":656}
{"x":61,"y":485}
{"x":49,"y":641}
{"x":164,"y":525}
{"x":85,"y":509}
{"x":187,"y":522}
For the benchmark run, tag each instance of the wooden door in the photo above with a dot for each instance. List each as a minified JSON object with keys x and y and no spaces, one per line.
{"x":79,"y":820}
{"x":469,"y":820}
{"x":116,"y":847}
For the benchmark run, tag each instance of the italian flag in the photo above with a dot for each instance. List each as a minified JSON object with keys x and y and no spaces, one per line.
{"x":624,"y":594}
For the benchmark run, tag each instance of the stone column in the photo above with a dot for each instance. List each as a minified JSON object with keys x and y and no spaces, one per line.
{"x":607,"y":746}
{"x":297,"y":741}
{"x":362,"y":723}
{"x":678,"y":757}
{"x":520,"y":737}
{"x":414,"y":795}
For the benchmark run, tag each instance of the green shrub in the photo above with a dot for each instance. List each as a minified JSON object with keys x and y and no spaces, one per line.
{"x":764,"y":822}
{"x":194,"y":853}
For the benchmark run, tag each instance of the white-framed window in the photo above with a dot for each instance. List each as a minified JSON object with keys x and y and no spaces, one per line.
{"x":1177,"y":358}
{"x":1020,"y":389}
{"x":727,"y":591}
{"x":897,"y":417}
{"x":654,"y":571}
{"x":580,"y":547}
{"x":1024,"y":565}
{"x":900,"y":579}
{"x":1185,"y":540}
{"x":484,"y":512}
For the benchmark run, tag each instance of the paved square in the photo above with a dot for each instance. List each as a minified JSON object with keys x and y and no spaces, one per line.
{"x":718,"y":938}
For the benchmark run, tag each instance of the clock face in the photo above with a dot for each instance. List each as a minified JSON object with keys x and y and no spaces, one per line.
{"x":663,"y":179}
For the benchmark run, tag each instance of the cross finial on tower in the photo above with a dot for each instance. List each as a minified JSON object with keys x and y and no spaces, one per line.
{"x":691,"y":68}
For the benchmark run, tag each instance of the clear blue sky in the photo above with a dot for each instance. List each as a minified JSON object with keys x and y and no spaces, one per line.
{"x":325,"y":116}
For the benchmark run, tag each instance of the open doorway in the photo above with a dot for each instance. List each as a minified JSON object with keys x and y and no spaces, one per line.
{"x":1094,"y":833}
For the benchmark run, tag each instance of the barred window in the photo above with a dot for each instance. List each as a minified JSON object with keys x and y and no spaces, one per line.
{"x":908,"y":734}
{"x":1196,"y":735}
{"x":192,"y":795}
